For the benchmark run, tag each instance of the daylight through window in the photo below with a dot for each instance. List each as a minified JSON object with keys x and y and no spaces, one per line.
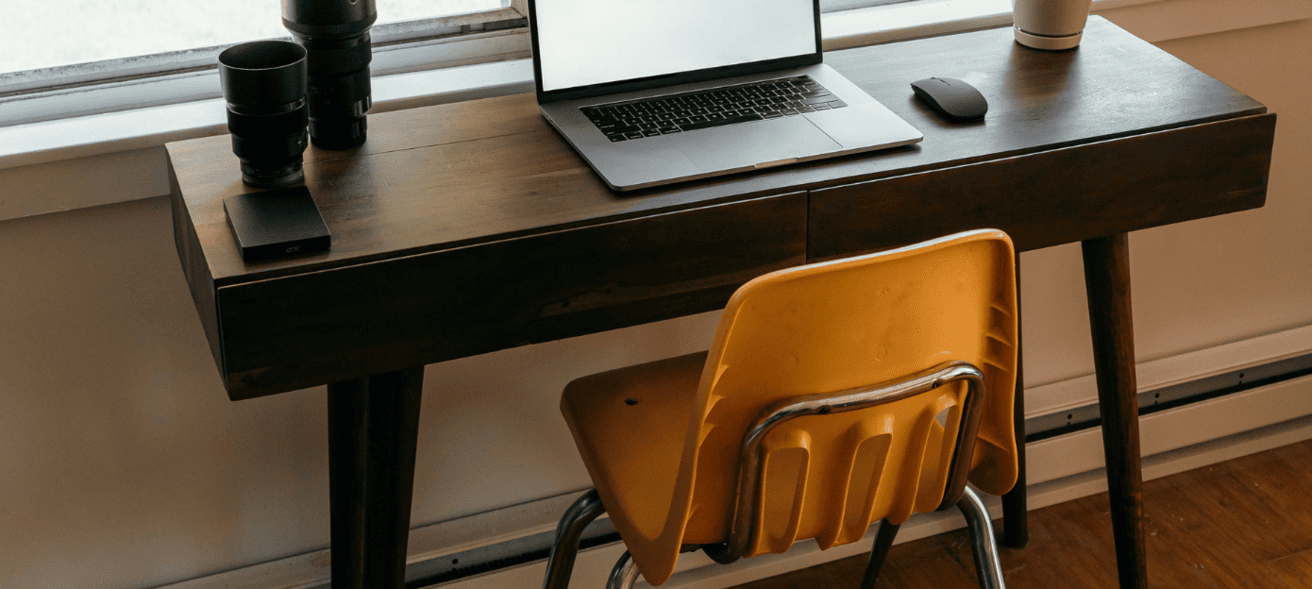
{"x":54,"y":33}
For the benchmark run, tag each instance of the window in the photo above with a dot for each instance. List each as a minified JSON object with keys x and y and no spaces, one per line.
{"x":145,"y":52}
{"x":58,"y":41}
{"x":88,"y":56}
{"x":57,"y":33}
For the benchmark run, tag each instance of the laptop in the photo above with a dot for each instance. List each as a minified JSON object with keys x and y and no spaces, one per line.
{"x":652,"y":92}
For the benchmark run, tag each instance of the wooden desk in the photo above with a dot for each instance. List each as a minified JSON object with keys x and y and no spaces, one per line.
{"x":468,"y":228}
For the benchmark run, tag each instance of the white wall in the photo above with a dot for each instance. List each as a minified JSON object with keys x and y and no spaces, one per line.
{"x":1211,"y":281}
{"x":123,"y":464}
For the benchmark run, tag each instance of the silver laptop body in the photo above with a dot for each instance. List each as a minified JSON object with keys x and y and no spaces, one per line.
{"x":593,"y":57}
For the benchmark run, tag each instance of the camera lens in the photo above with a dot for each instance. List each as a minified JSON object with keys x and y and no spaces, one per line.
{"x":335,"y":34}
{"x":264,"y":85}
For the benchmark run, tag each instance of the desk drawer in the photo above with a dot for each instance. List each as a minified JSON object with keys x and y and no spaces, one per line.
{"x":1058,"y":196}
{"x":300,"y":331}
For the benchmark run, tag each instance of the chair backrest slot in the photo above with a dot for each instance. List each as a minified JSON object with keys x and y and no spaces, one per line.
{"x":754,"y":451}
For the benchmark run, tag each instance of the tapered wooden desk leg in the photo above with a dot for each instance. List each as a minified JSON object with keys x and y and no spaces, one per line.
{"x":1015,"y":511}
{"x":373,"y":424}
{"x":1107,"y":281}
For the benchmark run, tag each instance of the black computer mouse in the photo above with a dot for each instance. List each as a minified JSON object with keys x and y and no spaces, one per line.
{"x":955,"y":99}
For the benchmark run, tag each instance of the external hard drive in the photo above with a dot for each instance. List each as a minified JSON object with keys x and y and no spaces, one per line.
{"x":276,"y":223}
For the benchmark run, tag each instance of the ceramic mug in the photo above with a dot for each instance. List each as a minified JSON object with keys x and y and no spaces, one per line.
{"x":1050,"y":24}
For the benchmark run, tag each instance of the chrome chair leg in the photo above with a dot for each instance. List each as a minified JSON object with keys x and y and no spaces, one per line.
{"x":560,"y":563}
{"x":884,"y":537}
{"x":982,"y":541}
{"x":625,"y":573}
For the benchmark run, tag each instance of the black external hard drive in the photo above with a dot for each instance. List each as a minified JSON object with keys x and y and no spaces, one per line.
{"x":276,"y":223}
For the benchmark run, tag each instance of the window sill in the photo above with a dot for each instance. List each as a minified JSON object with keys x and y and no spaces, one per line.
{"x":98,"y":159}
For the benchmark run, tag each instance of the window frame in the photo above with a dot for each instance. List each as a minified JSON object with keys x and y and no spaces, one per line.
{"x":837,"y":5}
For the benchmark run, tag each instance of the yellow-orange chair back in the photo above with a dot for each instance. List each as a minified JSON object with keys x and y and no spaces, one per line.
{"x":662,"y":441}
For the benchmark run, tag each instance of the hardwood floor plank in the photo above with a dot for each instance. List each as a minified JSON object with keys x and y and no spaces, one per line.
{"x":1244,"y":524}
{"x":1292,"y":572}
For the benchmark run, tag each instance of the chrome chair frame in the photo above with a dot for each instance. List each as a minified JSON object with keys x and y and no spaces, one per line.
{"x":560,"y":562}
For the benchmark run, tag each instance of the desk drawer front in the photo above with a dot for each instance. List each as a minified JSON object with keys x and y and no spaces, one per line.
{"x":1059,"y":196}
{"x":289,"y":333}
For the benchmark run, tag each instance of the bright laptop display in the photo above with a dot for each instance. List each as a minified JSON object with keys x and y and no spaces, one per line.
{"x":586,"y":42}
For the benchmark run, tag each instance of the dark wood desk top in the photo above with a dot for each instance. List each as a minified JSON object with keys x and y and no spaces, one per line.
{"x":466,"y":228}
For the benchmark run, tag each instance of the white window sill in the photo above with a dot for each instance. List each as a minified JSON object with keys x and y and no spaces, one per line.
{"x":112,"y":157}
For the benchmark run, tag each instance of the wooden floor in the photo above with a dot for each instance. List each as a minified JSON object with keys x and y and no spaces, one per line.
{"x":1246,"y":523}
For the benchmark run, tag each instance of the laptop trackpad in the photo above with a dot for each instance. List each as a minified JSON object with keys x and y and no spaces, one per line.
{"x":748,"y":144}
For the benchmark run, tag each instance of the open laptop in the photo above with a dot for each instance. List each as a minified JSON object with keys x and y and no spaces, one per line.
{"x":652,"y":92}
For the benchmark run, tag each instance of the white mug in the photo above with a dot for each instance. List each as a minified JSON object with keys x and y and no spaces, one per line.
{"x":1050,"y":24}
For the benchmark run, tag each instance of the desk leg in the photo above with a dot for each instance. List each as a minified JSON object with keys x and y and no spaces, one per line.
{"x":373,"y":424}
{"x":1107,"y":282}
{"x":1016,"y":532}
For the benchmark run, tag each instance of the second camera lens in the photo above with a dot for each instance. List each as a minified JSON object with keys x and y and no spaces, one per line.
{"x":335,"y":34}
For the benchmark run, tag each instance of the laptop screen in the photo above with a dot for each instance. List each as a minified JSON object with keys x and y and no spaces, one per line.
{"x":580,"y":43}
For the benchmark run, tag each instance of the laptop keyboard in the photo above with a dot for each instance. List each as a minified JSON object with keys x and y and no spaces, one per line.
{"x":679,"y":113}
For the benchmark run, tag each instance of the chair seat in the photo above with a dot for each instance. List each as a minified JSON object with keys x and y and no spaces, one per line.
{"x":621,"y":420}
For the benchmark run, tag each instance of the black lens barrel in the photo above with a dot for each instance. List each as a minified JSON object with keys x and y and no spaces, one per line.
{"x":335,"y":35}
{"x":264,"y":85}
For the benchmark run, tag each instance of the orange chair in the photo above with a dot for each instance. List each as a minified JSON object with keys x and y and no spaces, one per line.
{"x":834,"y":394}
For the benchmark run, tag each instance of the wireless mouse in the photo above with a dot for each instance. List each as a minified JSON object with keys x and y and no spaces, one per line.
{"x":953,"y":98}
